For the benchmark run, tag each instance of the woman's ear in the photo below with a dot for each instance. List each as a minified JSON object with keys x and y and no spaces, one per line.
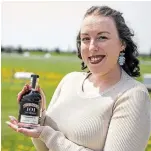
{"x":123,"y":45}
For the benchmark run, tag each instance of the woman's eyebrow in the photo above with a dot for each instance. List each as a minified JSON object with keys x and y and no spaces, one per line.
{"x":84,"y":34}
{"x":102,"y":32}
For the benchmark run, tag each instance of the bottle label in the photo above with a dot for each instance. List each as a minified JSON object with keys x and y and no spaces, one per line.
{"x":29,"y":119}
{"x":30,"y":109}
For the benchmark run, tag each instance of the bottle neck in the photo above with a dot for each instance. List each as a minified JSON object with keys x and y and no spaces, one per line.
{"x":35,"y":87}
{"x":34,"y":83}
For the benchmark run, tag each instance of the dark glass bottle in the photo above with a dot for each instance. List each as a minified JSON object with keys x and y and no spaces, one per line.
{"x":30,"y":104}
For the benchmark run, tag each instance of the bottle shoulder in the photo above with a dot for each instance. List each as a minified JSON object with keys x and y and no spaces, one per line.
{"x":31,"y":96}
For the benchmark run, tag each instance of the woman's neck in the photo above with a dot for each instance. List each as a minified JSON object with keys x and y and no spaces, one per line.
{"x":106,"y":80}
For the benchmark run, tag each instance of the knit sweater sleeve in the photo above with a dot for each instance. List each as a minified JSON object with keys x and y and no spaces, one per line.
{"x":130,"y":125}
{"x":56,"y":141}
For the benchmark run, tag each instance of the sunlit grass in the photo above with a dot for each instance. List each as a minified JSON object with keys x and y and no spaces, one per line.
{"x":51,"y":71}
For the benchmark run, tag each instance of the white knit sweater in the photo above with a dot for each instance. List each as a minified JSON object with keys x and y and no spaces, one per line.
{"x":118,"y":119}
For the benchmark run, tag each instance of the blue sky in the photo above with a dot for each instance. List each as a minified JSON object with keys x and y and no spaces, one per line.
{"x":56,"y":24}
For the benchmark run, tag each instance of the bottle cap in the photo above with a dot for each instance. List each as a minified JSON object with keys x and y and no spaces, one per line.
{"x":35,"y":75}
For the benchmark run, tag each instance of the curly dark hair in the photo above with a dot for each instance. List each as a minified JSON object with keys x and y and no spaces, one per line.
{"x":131,"y":65}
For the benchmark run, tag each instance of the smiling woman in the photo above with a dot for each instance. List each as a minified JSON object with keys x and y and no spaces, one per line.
{"x":104,"y":109}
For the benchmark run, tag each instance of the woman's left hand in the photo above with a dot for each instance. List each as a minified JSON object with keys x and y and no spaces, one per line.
{"x":34,"y":132}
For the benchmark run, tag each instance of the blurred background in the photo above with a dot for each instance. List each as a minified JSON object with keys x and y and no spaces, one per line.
{"x":40,"y":37}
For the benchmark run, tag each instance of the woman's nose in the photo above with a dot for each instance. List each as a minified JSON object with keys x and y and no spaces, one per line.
{"x":93,"y":45}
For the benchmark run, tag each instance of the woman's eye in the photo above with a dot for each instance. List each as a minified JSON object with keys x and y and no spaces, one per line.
{"x":102,"y":38}
{"x":85,"y":39}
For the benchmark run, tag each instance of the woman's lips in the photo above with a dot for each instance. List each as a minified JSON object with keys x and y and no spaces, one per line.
{"x":96,"y":59}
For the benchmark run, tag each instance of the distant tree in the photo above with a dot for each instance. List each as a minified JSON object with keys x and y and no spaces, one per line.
{"x":2,"y":49}
{"x":57,"y":50}
{"x":19,"y":50}
{"x":9,"y":49}
{"x":40,"y":49}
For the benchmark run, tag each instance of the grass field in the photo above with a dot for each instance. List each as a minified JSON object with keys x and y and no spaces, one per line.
{"x":51,"y":71}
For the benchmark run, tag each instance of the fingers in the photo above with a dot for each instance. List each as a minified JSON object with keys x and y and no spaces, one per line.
{"x":42,"y":97}
{"x":25,"y":89}
{"x":13,"y":120}
{"x":33,"y":132}
{"x":29,"y":132}
{"x":13,"y":126}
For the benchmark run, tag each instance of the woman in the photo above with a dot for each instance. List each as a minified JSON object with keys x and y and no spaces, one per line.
{"x":104,"y":109}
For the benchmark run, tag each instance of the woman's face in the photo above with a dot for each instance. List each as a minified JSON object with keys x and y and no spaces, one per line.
{"x":100,"y":44}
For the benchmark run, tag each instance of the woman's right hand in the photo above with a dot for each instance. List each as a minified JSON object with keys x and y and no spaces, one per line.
{"x":27,"y":88}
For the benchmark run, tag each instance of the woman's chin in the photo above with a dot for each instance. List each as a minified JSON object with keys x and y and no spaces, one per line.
{"x":97,"y":71}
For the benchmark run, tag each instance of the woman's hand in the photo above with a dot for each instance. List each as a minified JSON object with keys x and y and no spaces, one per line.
{"x":34,"y":132}
{"x":27,"y":88}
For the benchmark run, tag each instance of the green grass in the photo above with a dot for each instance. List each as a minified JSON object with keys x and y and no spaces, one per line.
{"x":51,"y":71}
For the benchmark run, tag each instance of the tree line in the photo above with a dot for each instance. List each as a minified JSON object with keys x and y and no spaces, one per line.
{"x":20,"y":50}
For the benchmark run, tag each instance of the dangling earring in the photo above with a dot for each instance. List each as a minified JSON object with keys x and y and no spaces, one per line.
{"x":121,"y":58}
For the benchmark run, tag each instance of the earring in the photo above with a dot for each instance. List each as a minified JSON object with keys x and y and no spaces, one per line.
{"x":121,"y":59}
